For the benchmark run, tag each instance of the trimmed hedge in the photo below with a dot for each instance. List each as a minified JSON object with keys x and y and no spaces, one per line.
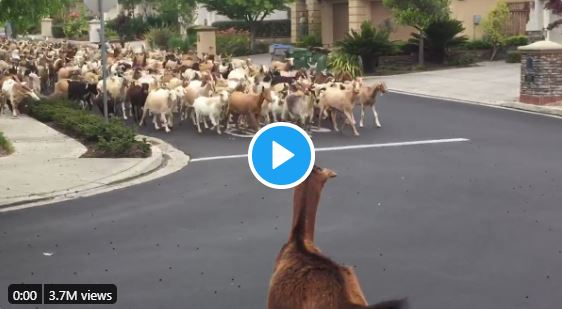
{"x":5,"y":145}
{"x":517,"y":40}
{"x":477,"y":44}
{"x":513,"y":57}
{"x":235,"y":44}
{"x":266,"y":29}
{"x":106,"y":140}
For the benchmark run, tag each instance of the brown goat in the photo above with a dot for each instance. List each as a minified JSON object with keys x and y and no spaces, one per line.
{"x":303,"y":277}
{"x":248,"y":104}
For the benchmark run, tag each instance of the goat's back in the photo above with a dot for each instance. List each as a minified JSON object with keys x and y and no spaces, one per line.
{"x":307,"y":280}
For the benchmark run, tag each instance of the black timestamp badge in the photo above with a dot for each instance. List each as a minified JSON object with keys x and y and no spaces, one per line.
{"x":25,"y":294}
{"x":78,"y":294}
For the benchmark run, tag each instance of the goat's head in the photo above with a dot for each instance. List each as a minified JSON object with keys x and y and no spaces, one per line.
{"x":317,"y":179}
{"x":26,"y":92}
{"x":382,"y":87}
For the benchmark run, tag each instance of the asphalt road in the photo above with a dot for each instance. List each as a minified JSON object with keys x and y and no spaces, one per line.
{"x":464,"y":225}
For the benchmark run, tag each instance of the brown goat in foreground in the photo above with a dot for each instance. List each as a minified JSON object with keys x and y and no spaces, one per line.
{"x":303,"y":277}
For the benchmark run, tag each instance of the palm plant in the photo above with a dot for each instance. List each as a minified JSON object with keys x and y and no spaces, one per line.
{"x":369,"y":43}
{"x":440,"y":37}
{"x":343,"y":64}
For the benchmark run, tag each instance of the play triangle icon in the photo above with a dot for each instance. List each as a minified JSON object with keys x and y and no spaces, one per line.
{"x":279,"y":155}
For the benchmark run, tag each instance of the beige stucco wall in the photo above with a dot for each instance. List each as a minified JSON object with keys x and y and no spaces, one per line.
{"x":358,"y":12}
{"x":373,"y":10}
{"x":465,"y":10}
{"x":327,"y":26}
{"x":380,"y":14}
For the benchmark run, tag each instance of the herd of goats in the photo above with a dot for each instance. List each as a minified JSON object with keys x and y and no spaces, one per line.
{"x":224,"y":92}
{"x":227,"y":93}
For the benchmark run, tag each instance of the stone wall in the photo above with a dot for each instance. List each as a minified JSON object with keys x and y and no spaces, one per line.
{"x":399,"y":60}
{"x":541,"y":76}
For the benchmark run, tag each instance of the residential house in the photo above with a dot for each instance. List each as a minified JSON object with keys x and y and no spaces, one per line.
{"x":539,"y":21}
{"x":333,"y":19}
{"x":205,"y":17}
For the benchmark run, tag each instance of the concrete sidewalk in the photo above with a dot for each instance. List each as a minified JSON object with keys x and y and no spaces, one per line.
{"x":46,"y":165}
{"x":488,"y":83}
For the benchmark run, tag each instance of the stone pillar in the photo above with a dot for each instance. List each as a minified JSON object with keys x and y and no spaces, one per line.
{"x":94,"y":30}
{"x":541,"y":73}
{"x":359,"y":11}
{"x":47,"y":27}
{"x":206,"y":40}
{"x":327,"y":12}
{"x":314,"y":16}
{"x":297,"y":8}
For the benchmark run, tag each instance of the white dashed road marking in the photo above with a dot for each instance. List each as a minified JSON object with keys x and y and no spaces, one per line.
{"x":352,"y":147}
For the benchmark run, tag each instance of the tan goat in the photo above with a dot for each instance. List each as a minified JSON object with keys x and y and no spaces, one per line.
{"x":340,"y":99}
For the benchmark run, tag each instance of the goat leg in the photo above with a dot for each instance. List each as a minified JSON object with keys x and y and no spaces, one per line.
{"x":352,"y":122}
{"x":197,"y":121}
{"x":361,"y":122}
{"x":334,"y":121}
{"x":155,"y":121}
{"x":123,"y":110}
{"x":144,"y":112}
{"x":376,"y":115}
{"x":164,"y":122}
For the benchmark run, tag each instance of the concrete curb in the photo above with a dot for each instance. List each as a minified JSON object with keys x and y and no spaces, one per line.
{"x":515,"y":106}
{"x":165,"y":159}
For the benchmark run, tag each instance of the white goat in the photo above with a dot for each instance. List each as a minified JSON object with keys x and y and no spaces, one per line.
{"x":212,"y":107}
{"x":161,"y":102}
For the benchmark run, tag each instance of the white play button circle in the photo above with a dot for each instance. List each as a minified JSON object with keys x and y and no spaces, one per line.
{"x":279,"y":155}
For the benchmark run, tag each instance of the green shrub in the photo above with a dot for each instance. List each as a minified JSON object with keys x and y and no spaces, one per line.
{"x":261,"y":48}
{"x":368,"y":43}
{"x":440,"y":37}
{"x":235,"y":44}
{"x":111,"y":139}
{"x":159,"y":37}
{"x":477,"y":44}
{"x":402,"y":48}
{"x":182,"y":44}
{"x":461,"y":59}
{"x":266,"y":29}
{"x":513,"y":57}
{"x":5,"y":144}
{"x":516,"y":40}
{"x":341,"y":63}
{"x":76,"y":25}
{"x":58,"y":31}
{"x":311,"y":40}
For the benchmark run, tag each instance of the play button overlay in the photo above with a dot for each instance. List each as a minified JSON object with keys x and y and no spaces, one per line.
{"x":281,"y":155}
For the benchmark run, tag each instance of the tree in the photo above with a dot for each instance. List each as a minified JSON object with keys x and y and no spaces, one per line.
{"x":556,"y":7}
{"x":418,"y":14}
{"x":23,"y":14}
{"x":171,"y":11}
{"x":440,"y":37}
{"x":496,"y":26}
{"x":250,"y":11}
